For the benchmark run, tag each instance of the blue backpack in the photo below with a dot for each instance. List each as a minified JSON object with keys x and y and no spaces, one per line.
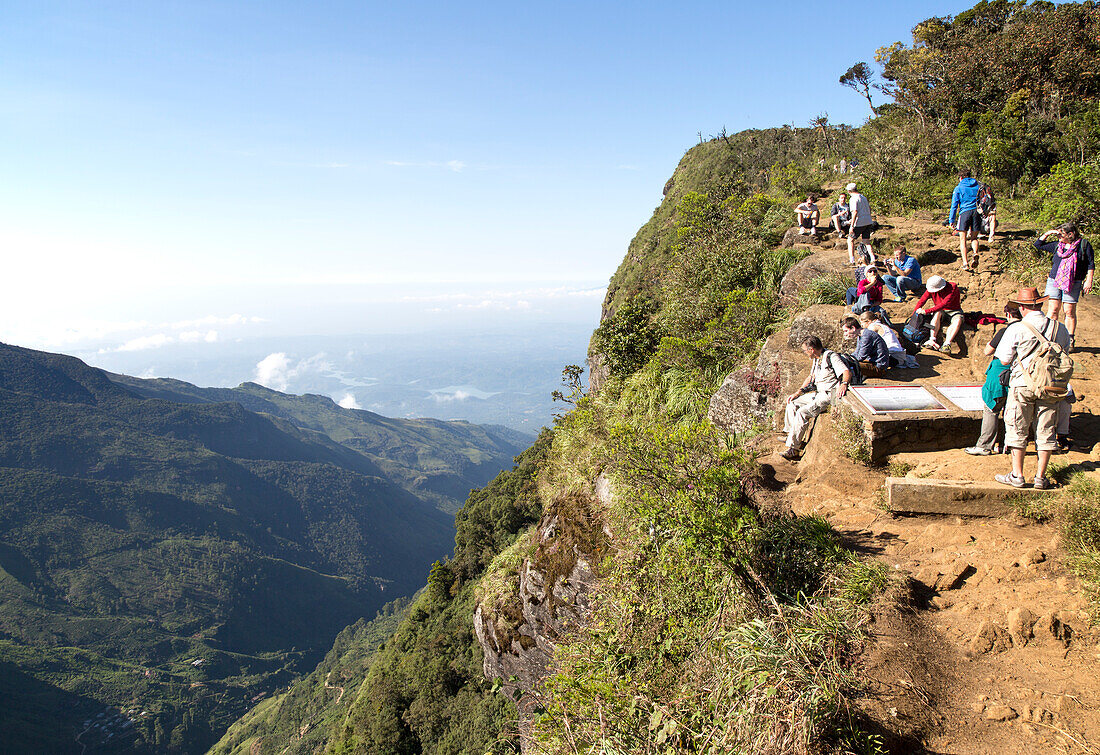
{"x":916,"y":330}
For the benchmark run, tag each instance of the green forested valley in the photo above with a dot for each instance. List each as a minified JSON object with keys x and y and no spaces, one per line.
{"x":164,"y":565}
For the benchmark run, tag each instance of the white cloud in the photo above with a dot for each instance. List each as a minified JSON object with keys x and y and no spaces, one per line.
{"x":456,"y":165}
{"x":211,"y":320}
{"x":273,"y":371}
{"x":349,"y":401}
{"x":146,"y":342}
{"x":196,"y":336}
{"x":453,"y":165}
{"x":459,"y":395}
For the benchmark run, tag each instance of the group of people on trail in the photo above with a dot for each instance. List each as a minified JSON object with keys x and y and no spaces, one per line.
{"x":1033,"y":344}
{"x":850,"y":217}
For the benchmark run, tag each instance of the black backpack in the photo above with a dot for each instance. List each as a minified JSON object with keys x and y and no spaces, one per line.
{"x":850,"y":362}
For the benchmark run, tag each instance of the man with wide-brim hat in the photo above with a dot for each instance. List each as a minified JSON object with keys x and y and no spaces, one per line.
{"x":945,"y":304}
{"x":1023,"y":408}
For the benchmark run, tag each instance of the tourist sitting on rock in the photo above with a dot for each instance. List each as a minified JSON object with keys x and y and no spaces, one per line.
{"x":867,"y":294}
{"x":829,"y":379}
{"x":994,"y":392}
{"x":842,"y":215}
{"x":871,"y":350}
{"x":1024,"y":408}
{"x":1070,"y":273}
{"x":808,"y":216}
{"x":905,"y":274}
{"x":946,"y":304}
{"x":964,"y":214}
{"x":862,"y":223}
{"x":899,"y":357}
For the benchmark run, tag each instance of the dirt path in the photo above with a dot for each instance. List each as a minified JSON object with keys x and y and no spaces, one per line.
{"x":990,"y":649}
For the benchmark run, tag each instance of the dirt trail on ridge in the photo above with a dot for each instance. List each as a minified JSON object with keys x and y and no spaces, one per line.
{"x":989,"y":647}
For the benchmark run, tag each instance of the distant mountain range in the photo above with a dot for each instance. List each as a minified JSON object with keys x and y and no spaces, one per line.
{"x":169,"y":552}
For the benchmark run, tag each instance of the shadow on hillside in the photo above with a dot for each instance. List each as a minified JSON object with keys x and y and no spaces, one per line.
{"x":1016,"y":235}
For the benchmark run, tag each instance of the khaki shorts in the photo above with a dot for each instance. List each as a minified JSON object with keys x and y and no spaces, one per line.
{"x":1022,"y":411}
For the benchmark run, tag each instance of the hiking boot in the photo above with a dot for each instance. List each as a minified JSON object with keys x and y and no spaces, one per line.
{"x":1063,"y":443}
{"x":945,"y":349}
{"x":791,"y":454}
{"x":1041,"y":483}
{"x":1015,"y":481}
{"x":978,"y":451}
{"x":1069,"y":349}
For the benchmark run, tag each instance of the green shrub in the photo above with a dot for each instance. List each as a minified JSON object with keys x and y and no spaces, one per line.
{"x":1070,"y":192}
{"x":629,"y":337}
{"x":825,"y":289}
{"x":850,"y":433}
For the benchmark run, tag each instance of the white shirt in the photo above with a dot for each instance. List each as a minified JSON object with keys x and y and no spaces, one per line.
{"x":888,"y":335}
{"x":825,"y":371}
{"x":1018,"y":343}
{"x":860,"y":206}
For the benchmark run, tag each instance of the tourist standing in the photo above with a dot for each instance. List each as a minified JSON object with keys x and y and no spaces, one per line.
{"x":1071,"y":273}
{"x":994,"y":392}
{"x":861,"y":223}
{"x":1024,"y":409}
{"x":964,"y":214}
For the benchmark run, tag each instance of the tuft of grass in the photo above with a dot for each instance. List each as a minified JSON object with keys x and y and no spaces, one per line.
{"x":850,"y":432}
{"x":899,"y":468}
{"x":825,"y":289}
{"x":1023,"y":262}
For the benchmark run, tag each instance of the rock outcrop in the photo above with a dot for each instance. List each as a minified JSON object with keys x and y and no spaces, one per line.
{"x":518,"y":637}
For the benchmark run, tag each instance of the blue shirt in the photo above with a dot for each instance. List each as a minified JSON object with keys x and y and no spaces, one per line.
{"x":910,"y":268}
{"x":870,"y":347}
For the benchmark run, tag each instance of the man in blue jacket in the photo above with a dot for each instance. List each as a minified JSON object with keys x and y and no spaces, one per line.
{"x":871,"y":350}
{"x":964,"y":214}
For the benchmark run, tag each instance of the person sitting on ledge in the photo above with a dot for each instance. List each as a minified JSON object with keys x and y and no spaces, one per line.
{"x":906,"y":275}
{"x":841,"y":215}
{"x":871,"y":350}
{"x":899,"y":357}
{"x":808,"y":215}
{"x":867,"y":294}
{"x":829,"y":379}
{"x":946,"y":304}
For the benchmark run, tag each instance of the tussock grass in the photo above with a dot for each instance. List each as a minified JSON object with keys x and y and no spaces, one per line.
{"x":825,"y":289}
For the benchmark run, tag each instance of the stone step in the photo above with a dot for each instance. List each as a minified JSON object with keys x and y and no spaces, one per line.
{"x":908,"y":495}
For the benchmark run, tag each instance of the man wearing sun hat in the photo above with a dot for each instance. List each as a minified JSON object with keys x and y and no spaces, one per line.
{"x":1023,"y":409}
{"x":946,"y":303}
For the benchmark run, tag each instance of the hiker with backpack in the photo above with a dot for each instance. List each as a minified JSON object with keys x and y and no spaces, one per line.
{"x":964,"y":214}
{"x":987,"y":208}
{"x":871,"y":350}
{"x":1070,"y":273}
{"x":829,"y":378}
{"x":861,"y":223}
{"x":1035,"y":350}
{"x":994,"y":391}
{"x":946,"y":304}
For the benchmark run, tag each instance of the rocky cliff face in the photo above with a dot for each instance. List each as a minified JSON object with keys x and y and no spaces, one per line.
{"x":518,"y":635}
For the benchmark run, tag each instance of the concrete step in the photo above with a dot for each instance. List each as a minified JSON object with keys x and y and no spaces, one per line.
{"x":908,"y":495}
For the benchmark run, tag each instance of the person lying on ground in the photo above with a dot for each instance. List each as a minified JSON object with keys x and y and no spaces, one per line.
{"x":861,"y":222}
{"x":870,"y":351}
{"x":899,"y":357}
{"x":867,"y":293}
{"x":841,"y":215}
{"x":964,"y":214}
{"x":905,"y":274}
{"x":994,"y":393}
{"x":829,"y":379}
{"x":1024,"y":409}
{"x":808,"y":216}
{"x":1070,"y":275}
{"x":946,"y":303}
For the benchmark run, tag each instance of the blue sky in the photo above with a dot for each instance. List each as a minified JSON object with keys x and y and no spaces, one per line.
{"x":175,"y":161}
